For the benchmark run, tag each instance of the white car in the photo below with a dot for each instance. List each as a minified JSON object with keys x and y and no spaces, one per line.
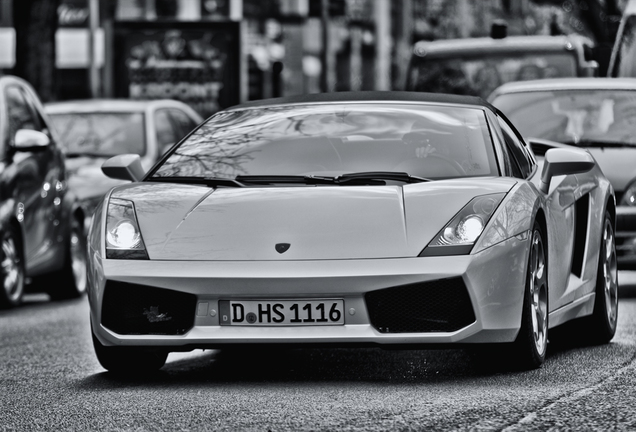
{"x":94,"y":130}
{"x":383,"y":218}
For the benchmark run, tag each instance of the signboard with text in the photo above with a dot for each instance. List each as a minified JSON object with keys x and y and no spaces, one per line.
{"x":196,"y":63}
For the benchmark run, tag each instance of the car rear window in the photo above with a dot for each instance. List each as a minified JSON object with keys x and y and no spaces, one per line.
{"x":579,"y":117}
{"x":101,"y":133}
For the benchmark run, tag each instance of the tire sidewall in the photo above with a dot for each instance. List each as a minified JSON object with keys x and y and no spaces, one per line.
{"x":529,"y":356}
{"x":603,"y":327}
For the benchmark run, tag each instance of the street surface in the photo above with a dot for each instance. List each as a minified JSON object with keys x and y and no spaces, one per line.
{"x":51,"y":380}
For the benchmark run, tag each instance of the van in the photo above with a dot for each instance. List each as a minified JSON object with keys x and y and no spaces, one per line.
{"x":476,"y":66}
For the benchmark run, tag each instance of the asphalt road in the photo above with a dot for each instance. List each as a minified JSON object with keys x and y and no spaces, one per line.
{"x":51,"y":380}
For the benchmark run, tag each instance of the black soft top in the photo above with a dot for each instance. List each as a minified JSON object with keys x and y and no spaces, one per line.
{"x":368,"y":96}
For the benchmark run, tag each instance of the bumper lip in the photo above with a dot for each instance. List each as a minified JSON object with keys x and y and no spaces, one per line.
{"x":348,"y":335}
{"x":496,"y":296}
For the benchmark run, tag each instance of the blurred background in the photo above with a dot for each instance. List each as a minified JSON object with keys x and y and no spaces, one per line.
{"x":212,"y":54}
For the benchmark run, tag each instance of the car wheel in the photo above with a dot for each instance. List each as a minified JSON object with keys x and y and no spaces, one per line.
{"x":605,"y":316}
{"x":125,"y":360}
{"x":11,"y":269}
{"x":72,"y":279}
{"x":532,"y":342}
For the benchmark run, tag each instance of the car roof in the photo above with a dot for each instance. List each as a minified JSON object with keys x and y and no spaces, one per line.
{"x":476,"y":46}
{"x":569,"y":83}
{"x":108,"y":105}
{"x":367,"y":96}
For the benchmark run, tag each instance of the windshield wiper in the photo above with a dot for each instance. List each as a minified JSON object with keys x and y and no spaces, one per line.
{"x":599,"y":144}
{"x":271,"y":179}
{"x":379,"y":175}
{"x":207,"y":181}
{"x":373,"y":178}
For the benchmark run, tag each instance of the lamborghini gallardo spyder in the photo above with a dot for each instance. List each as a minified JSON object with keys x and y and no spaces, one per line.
{"x":389,"y":219}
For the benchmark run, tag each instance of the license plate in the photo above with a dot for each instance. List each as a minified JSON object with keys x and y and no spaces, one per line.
{"x":281,"y":312}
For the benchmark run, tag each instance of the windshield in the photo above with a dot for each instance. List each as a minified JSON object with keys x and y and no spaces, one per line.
{"x":431,"y":141}
{"x":580,"y":117}
{"x":479,"y":75}
{"x":100,"y":134}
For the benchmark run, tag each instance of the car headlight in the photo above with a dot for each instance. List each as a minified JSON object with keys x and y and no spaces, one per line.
{"x":123,"y":237}
{"x":629,"y":197}
{"x":459,"y":236}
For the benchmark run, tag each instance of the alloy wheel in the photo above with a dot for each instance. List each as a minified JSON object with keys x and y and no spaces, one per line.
{"x":538,"y":293}
{"x":610,"y":274}
{"x":11,"y":269}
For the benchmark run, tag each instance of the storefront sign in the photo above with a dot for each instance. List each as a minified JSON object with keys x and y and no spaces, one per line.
{"x":197,"y":63}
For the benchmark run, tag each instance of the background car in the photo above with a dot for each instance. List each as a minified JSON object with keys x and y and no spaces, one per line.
{"x":91,"y":131}
{"x":41,"y":225}
{"x":351,"y":218}
{"x":596,"y":114}
{"x":476,"y":66}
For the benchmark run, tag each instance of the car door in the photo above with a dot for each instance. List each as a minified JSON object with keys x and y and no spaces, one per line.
{"x":37,"y":175}
{"x":560,"y":218}
{"x":55,"y":186}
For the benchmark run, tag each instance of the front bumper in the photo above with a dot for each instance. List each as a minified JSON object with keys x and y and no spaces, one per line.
{"x":494,"y":280}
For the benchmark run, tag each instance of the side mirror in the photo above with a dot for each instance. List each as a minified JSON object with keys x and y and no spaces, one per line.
{"x":562,"y":161}
{"x":124,"y":167}
{"x":29,"y":140}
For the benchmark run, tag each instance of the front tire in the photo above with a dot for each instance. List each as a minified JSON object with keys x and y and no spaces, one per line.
{"x":605,"y":316}
{"x":127,"y":360}
{"x":12,"y":274}
{"x":532,"y":341}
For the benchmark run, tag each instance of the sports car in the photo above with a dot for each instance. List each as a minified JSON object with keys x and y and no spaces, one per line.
{"x":389,"y":219}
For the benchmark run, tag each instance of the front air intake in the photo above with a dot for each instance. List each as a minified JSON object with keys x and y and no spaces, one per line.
{"x":434,"y":306}
{"x":131,"y":309}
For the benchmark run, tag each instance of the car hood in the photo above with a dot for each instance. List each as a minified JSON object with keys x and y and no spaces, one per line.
{"x":86,"y":179}
{"x":618,"y":165}
{"x":183,"y":222}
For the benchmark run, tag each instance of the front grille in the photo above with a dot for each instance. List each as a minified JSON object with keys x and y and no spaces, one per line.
{"x":435,"y":306}
{"x":131,"y":309}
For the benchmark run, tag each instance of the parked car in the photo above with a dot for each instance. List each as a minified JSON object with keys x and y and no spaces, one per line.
{"x":623,"y":58}
{"x":595,"y":114}
{"x":476,"y":66}
{"x":386,"y":218}
{"x":40,"y":221}
{"x":91,"y":131}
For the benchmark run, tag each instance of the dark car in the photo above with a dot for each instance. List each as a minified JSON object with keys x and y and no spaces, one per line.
{"x":40,"y":222}
{"x":477,"y":66}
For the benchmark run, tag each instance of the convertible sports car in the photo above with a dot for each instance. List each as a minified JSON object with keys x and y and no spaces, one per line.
{"x":376,"y":218}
